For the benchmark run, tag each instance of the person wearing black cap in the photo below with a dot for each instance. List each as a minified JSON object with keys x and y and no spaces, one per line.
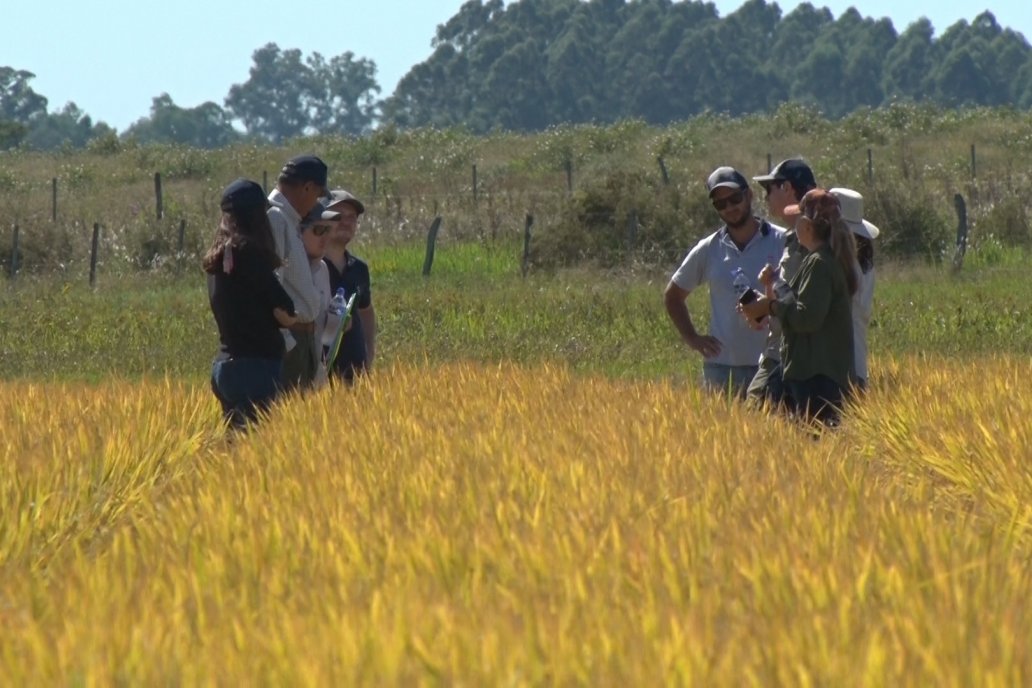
{"x":815,"y":313}
{"x":785,"y":186}
{"x":300,"y":184}
{"x":358,"y":348}
{"x":744,"y":242}
{"x":249,"y":305}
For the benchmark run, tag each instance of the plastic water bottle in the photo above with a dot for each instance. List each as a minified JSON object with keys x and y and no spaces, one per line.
{"x":339,"y":302}
{"x":782,"y":291}
{"x":744,"y":292}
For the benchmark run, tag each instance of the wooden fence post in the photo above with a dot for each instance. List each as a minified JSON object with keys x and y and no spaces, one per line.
{"x":962,"y":230}
{"x":93,"y":254}
{"x":527,"y":226}
{"x":14,"y":253}
{"x":632,"y":229}
{"x":431,"y":244}
{"x":569,"y":176}
{"x":973,"y":168}
{"x":663,"y":170}
{"x":159,"y":201}
{"x":180,"y":245}
{"x":53,"y":199}
{"x":474,"y":183}
{"x":870,"y":166}
{"x":265,"y":181}
{"x":769,"y":163}
{"x":374,"y":181}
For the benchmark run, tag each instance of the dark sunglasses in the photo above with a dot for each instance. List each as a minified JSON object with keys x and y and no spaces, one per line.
{"x":319,"y":230}
{"x":770,"y":186}
{"x":734,"y":199}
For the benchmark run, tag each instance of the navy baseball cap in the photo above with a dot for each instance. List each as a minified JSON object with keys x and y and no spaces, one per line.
{"x":726,"y":177}
{"x":319,"y":214}
{"x":795,"y":171}
{"x":243,"y":194}
{"x":306,"y":168}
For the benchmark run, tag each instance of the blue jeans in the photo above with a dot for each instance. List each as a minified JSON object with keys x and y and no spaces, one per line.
{"x":727,"y":378}
{"x":245,"y":387}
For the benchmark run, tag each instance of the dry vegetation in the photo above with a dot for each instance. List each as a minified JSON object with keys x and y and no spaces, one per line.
{"x":502,"y":525}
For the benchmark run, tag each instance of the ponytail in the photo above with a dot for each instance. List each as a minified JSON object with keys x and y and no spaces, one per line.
{"x":824,"y":211}
{"x":844,"y":248}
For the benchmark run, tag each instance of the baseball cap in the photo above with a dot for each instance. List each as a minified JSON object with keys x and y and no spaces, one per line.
{"x":795,"y":171}
{"x":726,"y":177}
{"x":319,"y":213}
{"x":242,"y":194}
{"x":306,"y":168}
{"x":341,"y":196}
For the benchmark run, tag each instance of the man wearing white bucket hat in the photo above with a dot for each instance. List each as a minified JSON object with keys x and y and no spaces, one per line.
{"x":852,"y":207}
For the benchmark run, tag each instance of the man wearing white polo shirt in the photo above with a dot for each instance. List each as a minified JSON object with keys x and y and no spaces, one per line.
{"x":732,"y":348}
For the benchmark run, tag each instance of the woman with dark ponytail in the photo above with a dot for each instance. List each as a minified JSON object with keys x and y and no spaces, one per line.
{"x":817,"y":352}
{"x":248,"y":303}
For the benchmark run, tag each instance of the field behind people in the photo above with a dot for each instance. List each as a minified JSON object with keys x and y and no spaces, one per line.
{"x":616,"y":194}
{"x":531,"y":489}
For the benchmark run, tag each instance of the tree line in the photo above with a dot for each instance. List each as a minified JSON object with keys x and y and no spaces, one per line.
{"x":538,"y":63}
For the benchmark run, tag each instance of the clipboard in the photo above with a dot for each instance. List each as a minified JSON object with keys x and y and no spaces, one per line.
{"x":338,"y":337}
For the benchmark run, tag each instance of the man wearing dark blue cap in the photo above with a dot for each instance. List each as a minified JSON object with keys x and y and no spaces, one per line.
{"x":785,"y":186}
{"x":300,"y":184}
{"x":743,"y":242}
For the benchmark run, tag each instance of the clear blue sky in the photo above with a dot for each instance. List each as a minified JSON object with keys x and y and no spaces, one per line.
{"x":113,"y":56}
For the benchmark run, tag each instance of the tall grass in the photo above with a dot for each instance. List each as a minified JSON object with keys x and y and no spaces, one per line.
{"x":921,"y":157}
{"x":475,"y":306}
{"x":500,"y":524}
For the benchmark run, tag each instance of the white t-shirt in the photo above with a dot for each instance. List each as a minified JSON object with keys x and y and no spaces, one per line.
{"x":712,"y":261}
{"x":863,"y":302}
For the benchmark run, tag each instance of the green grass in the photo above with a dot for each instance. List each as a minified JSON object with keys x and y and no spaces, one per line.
{"x":476,"y":306}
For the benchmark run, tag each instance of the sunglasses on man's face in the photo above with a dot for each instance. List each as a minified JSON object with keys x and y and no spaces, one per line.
{"x":734,"y":199}
{"x":772,"y":187}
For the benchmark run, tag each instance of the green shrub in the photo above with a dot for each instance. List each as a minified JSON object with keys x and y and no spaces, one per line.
{"x":624,"y":216}
{"x":1007,"y":220}
{"x":913,"y":224}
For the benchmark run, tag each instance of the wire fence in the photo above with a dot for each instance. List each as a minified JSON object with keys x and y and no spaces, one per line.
{"x":166,"y":220}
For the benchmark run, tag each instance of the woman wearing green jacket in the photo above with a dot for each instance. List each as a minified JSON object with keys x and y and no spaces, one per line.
{"x":816,"y":318}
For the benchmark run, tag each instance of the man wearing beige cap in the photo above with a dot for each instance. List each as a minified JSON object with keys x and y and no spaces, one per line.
{"x":358,"y":348}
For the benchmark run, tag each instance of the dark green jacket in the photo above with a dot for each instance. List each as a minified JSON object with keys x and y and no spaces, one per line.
{"x":818,"y":324}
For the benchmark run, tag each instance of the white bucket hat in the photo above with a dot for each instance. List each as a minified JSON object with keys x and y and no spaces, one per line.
{"x":852,"y":209}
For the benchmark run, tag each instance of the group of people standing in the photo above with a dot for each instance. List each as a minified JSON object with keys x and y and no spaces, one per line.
{"x":274,"y":264}
{"x":800,"y":340}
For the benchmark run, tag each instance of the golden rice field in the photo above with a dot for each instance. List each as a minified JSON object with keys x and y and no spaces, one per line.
{"x":499,"y":525}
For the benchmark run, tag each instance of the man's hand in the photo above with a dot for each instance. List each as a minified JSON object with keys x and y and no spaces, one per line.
{"x":705,"y":345}
{"x":759,"y":308}
{"x":767,"y":275}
